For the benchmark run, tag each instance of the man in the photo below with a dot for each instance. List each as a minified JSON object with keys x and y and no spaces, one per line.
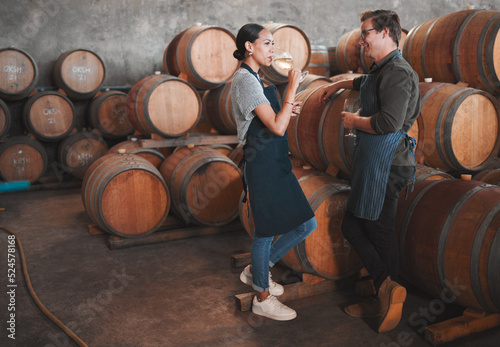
{"x":383,"y":162}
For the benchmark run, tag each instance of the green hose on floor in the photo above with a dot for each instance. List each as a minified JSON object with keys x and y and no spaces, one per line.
{"x":35,"y":298}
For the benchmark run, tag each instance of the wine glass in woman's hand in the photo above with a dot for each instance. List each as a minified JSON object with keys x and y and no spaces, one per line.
{"x":284,"y":60}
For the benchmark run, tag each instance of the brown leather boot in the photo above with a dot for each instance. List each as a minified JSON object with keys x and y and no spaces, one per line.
{"x":370,"y":307}
{"x":391,"y":295}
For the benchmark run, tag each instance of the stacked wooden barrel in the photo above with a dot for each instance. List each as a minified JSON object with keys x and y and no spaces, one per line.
{"x":460,"y":46}
{"x":462,"y":126}
{"x":217,"y":109}
{"x":78,"y":151}
{"x":79,"y":73}
{"x":293,"y":40}
{"x":18,"y":74}
{"x":319,"y":64}
{"x":5,"y":118}
{"x":203,"y":54}
{"x":22,"y":159}
{"x":109,"y":114}
{"x":205,"y":185}
{"x":49,"y":116}
{"x":163,"y":105}
{"x":153,"y":155}
{"x":449,"y":241}
{"x":125,"y":195}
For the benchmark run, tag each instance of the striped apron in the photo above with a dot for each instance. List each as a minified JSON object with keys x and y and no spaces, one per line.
{"x":371,"y":163}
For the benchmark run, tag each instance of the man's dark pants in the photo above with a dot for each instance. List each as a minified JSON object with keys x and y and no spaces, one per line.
{"x":375,"y":241}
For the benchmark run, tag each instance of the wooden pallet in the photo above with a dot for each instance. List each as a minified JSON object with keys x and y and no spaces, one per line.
{"x":172,"y":229}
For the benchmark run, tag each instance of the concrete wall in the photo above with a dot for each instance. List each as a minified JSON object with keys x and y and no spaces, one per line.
{"x":131,"y":35}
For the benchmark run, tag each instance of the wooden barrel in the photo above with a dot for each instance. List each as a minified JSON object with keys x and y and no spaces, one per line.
{"x":310,"y":82}
{"x":427,"y":173}
{"x":319,"y":63}
{"x":49,"y":116}
{"x":22,"y":159}
{"x":205,"y":185}
{"x":163,"y":105}
{"x":170,"y":62}
{"x":108,"y":113}
{"x":293,"y":40}
{"x":493,"y":164}
{"x":223,"y":149}
{"x":332,"y":61}
{"x":488,"y":176}
{"x":78,"y":151}
{"x":461,"y":126}
{"x":153,"y":155}
{"x":18,"y":74}
{"x":203,"y":54}
{"x":449,"y":241}
{"x":217,"y":109}
{"x":125,"y":195}
{"x":79,"y":73}
{"x":325,"y":252}
{"x":460,"y":46}
{"x":5,"y":118}
{"x":348,"y":58}
{"x":317,"y":135}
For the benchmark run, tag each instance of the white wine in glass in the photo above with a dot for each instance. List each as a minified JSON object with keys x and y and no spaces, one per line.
{"x":283,"y":60}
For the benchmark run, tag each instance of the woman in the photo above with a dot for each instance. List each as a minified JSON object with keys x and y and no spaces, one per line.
{"x":277,"y":202}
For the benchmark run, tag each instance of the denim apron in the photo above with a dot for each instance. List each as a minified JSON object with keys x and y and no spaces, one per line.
{"x":371,"y":163}
{"x":277,"y":201}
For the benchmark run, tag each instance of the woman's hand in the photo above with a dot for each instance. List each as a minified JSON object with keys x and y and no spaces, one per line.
{"x":294,"y":78}
{"x":297,"y":107}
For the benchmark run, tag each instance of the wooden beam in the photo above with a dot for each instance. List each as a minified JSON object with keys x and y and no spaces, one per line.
{"x":116,"y":242}
{"x":470,"y":322}
{"x":195,"y":139}
{"x":241,"y":260}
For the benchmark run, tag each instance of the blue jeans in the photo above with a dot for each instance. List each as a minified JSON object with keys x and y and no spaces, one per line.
{"x":265,"y":253}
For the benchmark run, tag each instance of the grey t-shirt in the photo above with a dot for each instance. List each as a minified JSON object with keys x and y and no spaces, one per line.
{"x":246,"y":95}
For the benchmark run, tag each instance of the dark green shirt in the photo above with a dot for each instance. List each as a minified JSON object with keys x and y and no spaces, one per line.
{"x":398,"y":101}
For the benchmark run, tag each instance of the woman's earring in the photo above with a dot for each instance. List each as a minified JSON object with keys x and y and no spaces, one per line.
{"x":250,"y":53}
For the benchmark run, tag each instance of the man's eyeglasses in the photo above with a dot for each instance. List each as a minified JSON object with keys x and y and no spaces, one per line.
{"x":363,"y":33}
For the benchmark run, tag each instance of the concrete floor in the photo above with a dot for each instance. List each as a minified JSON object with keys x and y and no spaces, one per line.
{"x":178,"y":293}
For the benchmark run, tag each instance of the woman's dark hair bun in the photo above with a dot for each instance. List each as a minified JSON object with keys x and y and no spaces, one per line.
{"x":238,"y":55}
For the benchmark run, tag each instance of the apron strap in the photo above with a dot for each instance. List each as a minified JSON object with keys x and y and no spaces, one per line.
{"x":412,"y":143}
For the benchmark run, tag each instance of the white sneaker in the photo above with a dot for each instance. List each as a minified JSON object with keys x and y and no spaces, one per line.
{"x":273,"y":309}
{"x":274,"y":288}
